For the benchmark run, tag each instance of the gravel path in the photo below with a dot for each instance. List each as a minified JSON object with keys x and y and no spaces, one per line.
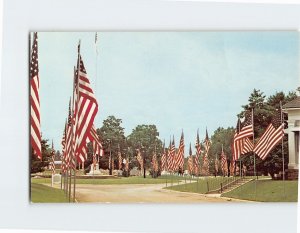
{"x":139,"y":193}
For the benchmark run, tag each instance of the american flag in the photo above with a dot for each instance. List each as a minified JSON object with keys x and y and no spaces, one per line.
{"x":35,"y":120}
{"x":169,"y":157}
{"x":164,"y":162}
{"x":243,"y":131}
{"x":154,"y":163}
{"x":190,"y":161}
{"x":246,"y":127}
{"x":271,"y":137}
{"x":119,"y":158}
{"x":198,"y":153}
{"x":224,"y":166}
{"x":207,"y":143}
{"x":140,"y":159}
{"x":172,"y":156}
{"x":86,"y":108}
{"x":52,"y":163}
{"x":217,"y":163}
{"x":232,"y":168}
{"x":97,"y":145}
{"x":126,"y":161}
{"x":247,"y":146}
{"x":63,"y":144}
{"x":205,"y":165}
{"x":179,"y":158}
{"x":95,"y":161}
{"x":69,"y":141}
{"x":237,"y":145}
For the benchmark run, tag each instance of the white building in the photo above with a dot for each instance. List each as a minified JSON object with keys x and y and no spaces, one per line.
{"x":293,"y":110}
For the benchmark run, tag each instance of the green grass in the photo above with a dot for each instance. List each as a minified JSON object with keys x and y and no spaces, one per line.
{"x":267,"y":191}
{"x":200,"y":185}
{"x":123,"y":180}
{"x":44,"y":194}
{"x":49,"y":172}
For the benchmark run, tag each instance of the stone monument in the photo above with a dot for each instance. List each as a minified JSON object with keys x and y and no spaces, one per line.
{"x":94,"y":171}
{"x":56,"y":179}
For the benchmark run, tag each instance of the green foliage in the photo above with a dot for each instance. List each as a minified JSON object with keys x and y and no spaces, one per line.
{"x":38,"y":165}
{"x":145,"y":137}
{"x":112,"y":136}
{"x":221,"y":137}
{"x":264,"y":111}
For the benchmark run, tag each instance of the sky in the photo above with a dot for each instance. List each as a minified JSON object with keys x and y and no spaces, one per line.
{"x":175,"y":80}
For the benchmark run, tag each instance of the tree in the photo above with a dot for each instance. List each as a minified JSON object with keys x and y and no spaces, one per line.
{"x":38,"y":165}
{"x":112,"y":136}
{"x":264,"y":111}
{"x":145,"y":137}
{"x":274,"y":100}
{"x":220,"y":137}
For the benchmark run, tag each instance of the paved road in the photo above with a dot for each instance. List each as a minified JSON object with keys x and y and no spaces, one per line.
{"x":139,"y":193}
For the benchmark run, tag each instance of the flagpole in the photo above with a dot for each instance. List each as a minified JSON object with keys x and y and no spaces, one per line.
{"x":240,"y":152}
{"x":29,"y":105}
{"x":282,"y":151}
{"x":254,"y":161}
{"x":75,"y":160}
{"x":96,"y":67}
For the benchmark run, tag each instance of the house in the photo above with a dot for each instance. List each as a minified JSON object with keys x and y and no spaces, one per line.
{"x":292,"y":108}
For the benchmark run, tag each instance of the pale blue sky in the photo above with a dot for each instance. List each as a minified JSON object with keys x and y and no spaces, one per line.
{"x":175,"y":80}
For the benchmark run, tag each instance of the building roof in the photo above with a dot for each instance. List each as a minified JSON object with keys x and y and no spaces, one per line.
{"x":292,"y":104}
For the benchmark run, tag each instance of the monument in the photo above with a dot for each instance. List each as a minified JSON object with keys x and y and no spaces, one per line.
{"x":55,"y":179}
{"x":94,"y":171}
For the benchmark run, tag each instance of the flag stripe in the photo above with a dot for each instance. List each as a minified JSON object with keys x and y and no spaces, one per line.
{"x":35,"y":129}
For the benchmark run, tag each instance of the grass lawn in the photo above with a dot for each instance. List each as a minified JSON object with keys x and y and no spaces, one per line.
{"x":267,"y":191}
{"x":41,"y":194}
{"x":200,"y":185}
{"x":123,"y":180}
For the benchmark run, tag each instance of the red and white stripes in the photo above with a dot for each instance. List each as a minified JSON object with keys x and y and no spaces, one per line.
{"x":35,"y":120}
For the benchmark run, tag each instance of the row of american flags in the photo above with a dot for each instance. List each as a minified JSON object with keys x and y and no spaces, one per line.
{"x":173,"y":161}
{"x":79,"y":127}
{"x":244,"y":138}
{"x":80,"y":130}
